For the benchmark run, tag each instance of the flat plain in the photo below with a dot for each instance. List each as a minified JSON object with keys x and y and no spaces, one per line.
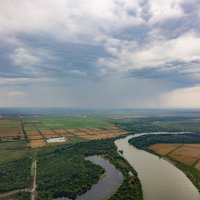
{"x":188,"y":154}
{"x":36,"y":130}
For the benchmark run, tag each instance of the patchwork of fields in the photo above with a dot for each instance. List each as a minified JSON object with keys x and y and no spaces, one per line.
{"x":38,"y":138}
{"x":35,"y":131}
{"x":188,"y":154}
{"x":11,"y":130}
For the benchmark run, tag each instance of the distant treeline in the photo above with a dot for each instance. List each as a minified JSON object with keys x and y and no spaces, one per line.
{"x":143,"y":142}
{"x":141,"y":125}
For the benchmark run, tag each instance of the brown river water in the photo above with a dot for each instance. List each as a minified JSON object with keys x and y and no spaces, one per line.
{"x":160,"y":179}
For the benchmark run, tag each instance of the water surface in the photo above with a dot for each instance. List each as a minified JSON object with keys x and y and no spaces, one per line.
{"x":160,"y":179}
{"x":106,"y":186}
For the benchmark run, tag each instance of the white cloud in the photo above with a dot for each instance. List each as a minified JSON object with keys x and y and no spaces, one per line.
{"x":128,"y":55}
{"x":131,"y":32}
{"x":22,"y":81}
{"x":22,"y":56}
{"x":182,"y":98}
{"x":66,"y":19}
{"x":30,"y":60}
{"x":14,"y":94}
{"x":164,"y":10}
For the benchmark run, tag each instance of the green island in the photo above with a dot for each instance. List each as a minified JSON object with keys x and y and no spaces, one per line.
{"x":52,"y":167}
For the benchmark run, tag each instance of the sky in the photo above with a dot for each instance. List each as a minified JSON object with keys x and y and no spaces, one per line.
{"x":100,"y":53}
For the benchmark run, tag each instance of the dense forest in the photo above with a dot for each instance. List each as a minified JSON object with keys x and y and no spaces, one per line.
{"x":65,"y":172}
{"x":141,"y":125}
{"x":143,"y":142}
{"x":22,"y":196}
{"x":15,"y":175}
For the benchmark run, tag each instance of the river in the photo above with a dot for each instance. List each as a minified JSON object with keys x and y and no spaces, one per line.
{"x":159,"y":178}
{"x":106,"y":186}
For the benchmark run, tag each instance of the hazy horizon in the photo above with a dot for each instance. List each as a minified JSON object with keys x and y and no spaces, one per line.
{"x":90,"y":54}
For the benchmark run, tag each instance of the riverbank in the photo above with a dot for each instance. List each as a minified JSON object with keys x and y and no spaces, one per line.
{"x":108,"y":183}
{"x":166,"y":180}
{"x":50,"y":162}
{"x":144,"y":142}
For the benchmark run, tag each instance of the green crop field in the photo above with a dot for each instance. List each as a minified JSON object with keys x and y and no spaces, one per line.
{"x":54,"y":122}
{"x":9,"y":124}
{"x":76,"y":139}
{"x":10,"y":155}
{"x":13,"y":145}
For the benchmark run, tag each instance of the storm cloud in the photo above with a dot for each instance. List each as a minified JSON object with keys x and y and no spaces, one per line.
{"x":100,"y":54}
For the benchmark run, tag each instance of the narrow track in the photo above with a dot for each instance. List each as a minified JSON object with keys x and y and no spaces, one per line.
{"x":33,"y":190}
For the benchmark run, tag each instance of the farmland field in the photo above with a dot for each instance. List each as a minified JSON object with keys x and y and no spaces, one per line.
{"x":66,"y":134}
{"x":197,"y":166}
{"x":163,"y":149}
{"x":13,"y":145}
{"x":60,"y":131}
{"x":71,"y":130}
{"x":50,"y":136}
{"x":10,"y":131}
{"x":10,"y":155}
{"x":32,"y":132}
{"x":75,"y":139}
{"x":52,"y":122}
{"x":38,"y":136}
{"x":35,"y":137}
{"x":47,"y":132}
{"x":8,"y":123}
{"x":185,"y":153}
{"x":37,"y":143}
{"x":80,"y":133}
{"x":83,"y":133}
